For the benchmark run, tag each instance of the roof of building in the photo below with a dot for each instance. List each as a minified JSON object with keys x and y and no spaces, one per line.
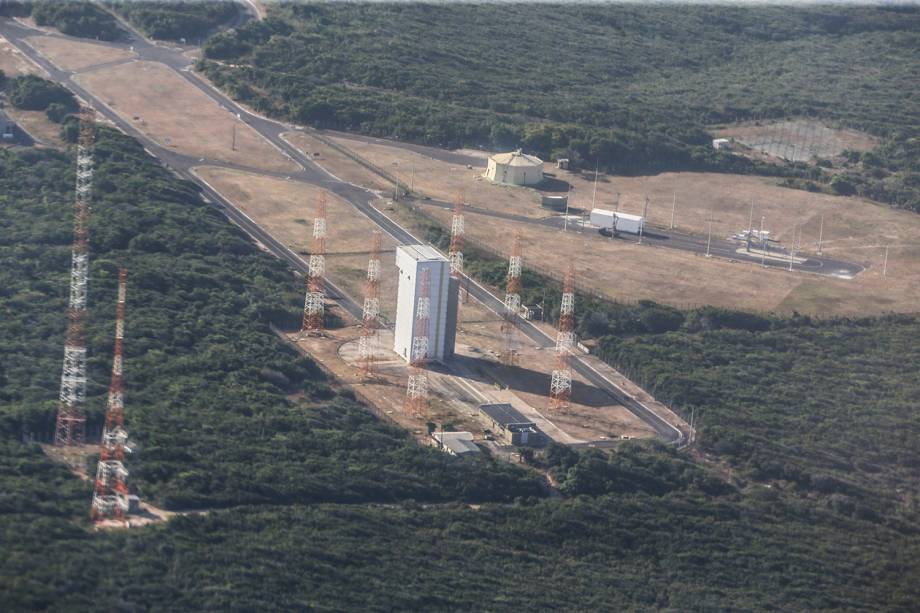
{"x":458,"y":442}
{"x":505,"y":415}
{"x":629,"y":216}
{"x":422,"y":253}
{"x":516,"y":158}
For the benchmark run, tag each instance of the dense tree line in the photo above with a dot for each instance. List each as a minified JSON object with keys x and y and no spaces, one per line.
{"x":76,"y":18}
{"x":178,"y":19}
{"x":631,"y":87}
{"x":223,"y":413}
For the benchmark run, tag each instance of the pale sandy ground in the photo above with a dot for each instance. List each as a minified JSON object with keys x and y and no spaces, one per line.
{"x":802,"y":138}
{"x":73,"y":55}
{"x":148,"y":95}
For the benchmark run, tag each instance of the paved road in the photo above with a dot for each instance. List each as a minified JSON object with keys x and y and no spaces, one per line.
{"x":359,"y":197}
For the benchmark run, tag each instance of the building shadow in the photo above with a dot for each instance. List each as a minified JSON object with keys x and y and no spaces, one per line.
{"x":521,"y":379}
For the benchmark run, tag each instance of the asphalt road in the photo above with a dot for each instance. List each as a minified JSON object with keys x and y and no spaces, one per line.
{"x":311,"y":173}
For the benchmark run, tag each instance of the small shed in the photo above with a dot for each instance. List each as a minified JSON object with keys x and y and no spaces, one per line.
{"x":720,"y":144}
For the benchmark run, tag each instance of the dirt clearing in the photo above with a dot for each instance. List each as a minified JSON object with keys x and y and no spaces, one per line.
{"x":202,"y":129}
{"x":72,"y":55}
{"x":797,"y":139}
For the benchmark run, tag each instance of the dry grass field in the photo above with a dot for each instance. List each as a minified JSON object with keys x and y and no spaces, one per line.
{"x":15,"y":64}
{"x":202,"y":129}
{"x":442,"y":180}
{"x":855,"y":229}
{"x":341,"y":166}
{"x":286,"y":209}
{"x":72,"y":55}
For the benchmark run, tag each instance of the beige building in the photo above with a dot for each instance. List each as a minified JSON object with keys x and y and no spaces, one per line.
{"x":515,"y":168}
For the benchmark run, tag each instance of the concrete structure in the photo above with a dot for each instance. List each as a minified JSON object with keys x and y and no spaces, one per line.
{"x":456,"y":443}
{"x":562,"y":163}
{"x":510,"y":427}
{"x":442,"y":325}
{"x":515,"y":168}
{"x":720,"y":144}
{"x":556,"y":203}
{"x":614,"y":221}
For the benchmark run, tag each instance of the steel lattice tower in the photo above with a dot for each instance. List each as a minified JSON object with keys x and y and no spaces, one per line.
{"x":512,"y":303}
{"x":370,"y":318}
{"x":560,"y":390}
{"x":70,"y":428}
{"x":314,"y":304}
{"x":455,"y":253}
{"x":110,"y":494}
{"x":417,"y":391}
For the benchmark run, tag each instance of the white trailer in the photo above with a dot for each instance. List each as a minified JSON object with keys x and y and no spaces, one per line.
{"x":612,"y":221}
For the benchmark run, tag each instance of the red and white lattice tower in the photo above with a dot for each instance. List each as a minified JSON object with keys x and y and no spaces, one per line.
{"x":417,"y":391}
{"x":314,"y":304}
{"x":370,"y":318}
{"x":512,"y":303}
{"x":70,"y":428}
{"x":560,"y":389}
{"x":110,"y":493}
{"x":455,"y":253}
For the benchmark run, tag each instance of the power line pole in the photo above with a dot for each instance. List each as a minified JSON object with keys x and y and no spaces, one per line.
{"x":885,"y":265}
{"x":820,"y":234}
{"x":594,"y":195}
{"x":673,"y":209}
{"x":763,"y":245}
{"x":709,"y":241}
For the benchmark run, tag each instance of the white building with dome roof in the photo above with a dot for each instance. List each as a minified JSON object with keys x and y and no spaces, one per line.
{"x":515,"y":168}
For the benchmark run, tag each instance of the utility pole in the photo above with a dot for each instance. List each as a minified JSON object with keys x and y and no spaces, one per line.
{"x":673,"y":209}
{"x":565,"y":221}
{"x":233,"y":137}
{"x":820,"y":234}
{"x":644,"y":219}
{"x":594,"y":195}
{"x":709,"y":241}
{"x":412,"y":179}
{"x":763,"y":245}
{"x":792,"y":247}
{"x":885,"y":265}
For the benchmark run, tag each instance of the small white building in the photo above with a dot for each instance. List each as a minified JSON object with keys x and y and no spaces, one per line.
{"x":442,"y":322}
{"x":456,"y":443}
{"x":721,"y":144}
{"x":615,"y":221}
{"x":515,"y":168}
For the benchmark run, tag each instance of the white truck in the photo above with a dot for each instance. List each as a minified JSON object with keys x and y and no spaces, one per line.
{"x":615,"y":222}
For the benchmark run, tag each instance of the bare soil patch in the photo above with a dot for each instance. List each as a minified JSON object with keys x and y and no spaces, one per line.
{"x":176,"y":114}
{"x":799,"y":139}
{"x":73,"y":55}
